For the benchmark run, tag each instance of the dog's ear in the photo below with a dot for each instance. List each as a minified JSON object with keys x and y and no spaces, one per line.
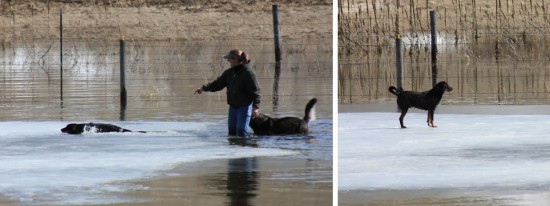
{"x":79,"y":128}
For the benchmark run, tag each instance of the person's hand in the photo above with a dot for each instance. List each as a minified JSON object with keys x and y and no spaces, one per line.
{"x":199,"y":90}
{"x":255,"y":112}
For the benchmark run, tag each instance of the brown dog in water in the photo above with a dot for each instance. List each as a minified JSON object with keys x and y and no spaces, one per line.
{"x":265,"y":125}
{"x":93,"y":127}
{"x":427,"y":100}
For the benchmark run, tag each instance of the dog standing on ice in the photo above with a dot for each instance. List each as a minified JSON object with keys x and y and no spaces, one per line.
{"x":427,"y":100}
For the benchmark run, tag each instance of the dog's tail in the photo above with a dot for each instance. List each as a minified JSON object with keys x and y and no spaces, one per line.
{"x":309,"y":106}
{"x":394,"y":90}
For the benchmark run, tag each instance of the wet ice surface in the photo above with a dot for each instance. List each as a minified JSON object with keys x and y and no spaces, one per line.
{"x":41,"y":165}
{"x":464,"y":151}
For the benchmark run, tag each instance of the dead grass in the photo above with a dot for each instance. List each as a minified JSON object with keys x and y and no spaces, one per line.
{"x":376,"y":23}
{"x":494,"y":51}
{"x":159,"y":20}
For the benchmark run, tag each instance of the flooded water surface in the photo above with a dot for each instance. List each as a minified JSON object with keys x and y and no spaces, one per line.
{"x":160,"y":79}
{"x":477,"y":74}
{"x":42,"y":166}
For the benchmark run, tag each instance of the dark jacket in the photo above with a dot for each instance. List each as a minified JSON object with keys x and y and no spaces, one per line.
{"x":242,"y":87}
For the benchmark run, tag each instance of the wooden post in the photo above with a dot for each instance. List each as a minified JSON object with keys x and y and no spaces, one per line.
{"x":399,"y":61}
{"x":123,"y":95}
{"x":434,"y":47}
{"x":61,"y":55}
{"x":277,"y":39}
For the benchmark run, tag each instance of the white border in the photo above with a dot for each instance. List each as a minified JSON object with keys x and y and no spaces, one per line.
{"x":335,"y":102}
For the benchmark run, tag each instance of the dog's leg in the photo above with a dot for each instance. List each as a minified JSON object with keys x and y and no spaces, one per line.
{"x":403,"y":113}
{"x":431,"y":118}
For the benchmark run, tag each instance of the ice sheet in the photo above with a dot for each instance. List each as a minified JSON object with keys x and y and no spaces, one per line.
{"x":463,"y":151}
{"x":40,"y":165}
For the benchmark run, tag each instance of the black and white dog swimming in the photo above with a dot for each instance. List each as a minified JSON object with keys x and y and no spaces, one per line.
{"x":75,"y":128}
{"x":265,"y":125}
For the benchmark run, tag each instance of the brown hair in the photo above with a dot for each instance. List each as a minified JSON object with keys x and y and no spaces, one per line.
{"x":242,"y":56}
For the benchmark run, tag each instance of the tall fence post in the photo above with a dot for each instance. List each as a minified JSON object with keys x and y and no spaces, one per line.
{"x":434,"y":47}
{"x":277,"y":39}
{"x":123,"y":100}
{"x":61,"y":55}
{"x":399,"y":61}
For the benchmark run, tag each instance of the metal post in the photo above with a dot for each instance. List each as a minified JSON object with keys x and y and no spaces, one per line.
{"x":277,"y":39}
{"x":399,"y":61}
{"x":123,"y":95}
{"x":61,"y":55}
{"x":434,"y":48}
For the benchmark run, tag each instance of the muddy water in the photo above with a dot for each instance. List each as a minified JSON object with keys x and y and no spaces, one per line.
{"x":160,"y":79}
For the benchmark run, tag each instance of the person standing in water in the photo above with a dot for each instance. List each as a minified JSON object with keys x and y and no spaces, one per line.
{"x":243,"y":92}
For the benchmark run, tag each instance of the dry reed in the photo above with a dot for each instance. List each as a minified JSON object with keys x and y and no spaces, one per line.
{"x":492,"y":51}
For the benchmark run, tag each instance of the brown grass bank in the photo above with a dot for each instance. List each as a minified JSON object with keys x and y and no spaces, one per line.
{"x":29,"y":20}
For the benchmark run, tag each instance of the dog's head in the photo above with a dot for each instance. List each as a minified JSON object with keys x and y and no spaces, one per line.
{"x":73,"y":128}
{"x":261,"y":124}
{"x":258,"y":120}
{"x":443,"y":86}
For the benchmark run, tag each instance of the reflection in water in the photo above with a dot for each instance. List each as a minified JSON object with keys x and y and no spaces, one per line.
{"x":122,"y":111}
{"x":242,"y":181}
{"x":479,"y":73}
{"x":160,"y":79}
{"x":245,"y":142}
{"x":242,"y":175}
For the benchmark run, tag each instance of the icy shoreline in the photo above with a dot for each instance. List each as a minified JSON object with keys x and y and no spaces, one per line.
{"x":463,"y":151}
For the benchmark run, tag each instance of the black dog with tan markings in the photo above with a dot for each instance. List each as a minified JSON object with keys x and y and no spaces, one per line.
{"x":75,"y":128}
{"x":265,"y":125}
{"x":427,"y":100}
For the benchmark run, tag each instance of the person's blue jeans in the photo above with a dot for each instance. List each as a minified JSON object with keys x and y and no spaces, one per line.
{"x":239,"y":118}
